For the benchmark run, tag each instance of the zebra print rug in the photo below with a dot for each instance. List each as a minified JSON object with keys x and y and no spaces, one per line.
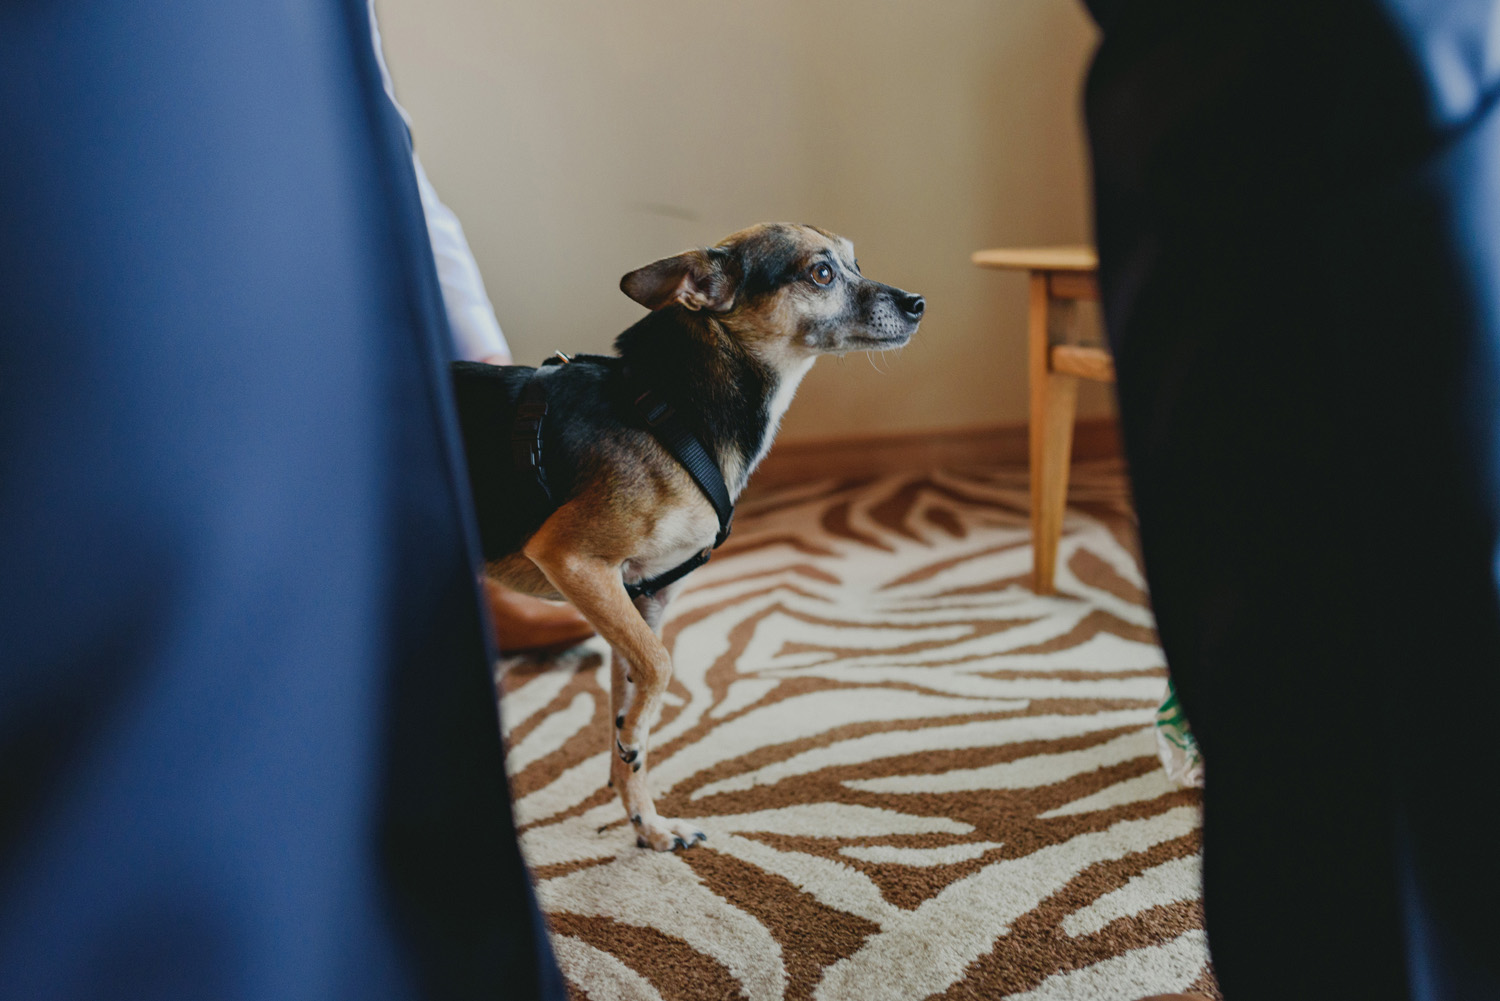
{"x":918,"y":778}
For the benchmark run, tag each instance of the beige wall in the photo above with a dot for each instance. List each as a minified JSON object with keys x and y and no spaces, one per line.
{"x":578,"y":139}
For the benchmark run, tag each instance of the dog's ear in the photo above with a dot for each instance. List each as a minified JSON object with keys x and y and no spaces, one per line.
{"x":697,"y":279}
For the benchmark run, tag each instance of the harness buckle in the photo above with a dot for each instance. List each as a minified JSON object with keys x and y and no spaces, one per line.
{"x":653,"y":408}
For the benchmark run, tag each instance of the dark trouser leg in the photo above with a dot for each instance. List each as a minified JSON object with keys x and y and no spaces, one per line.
{"x":248,"y":744}
{"x":1300,"y":268}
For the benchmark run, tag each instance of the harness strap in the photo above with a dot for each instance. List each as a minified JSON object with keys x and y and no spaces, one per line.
{"x":668,"y":428}
{"x":661,"y":417}
{"x":649,"y":587}
{"x":526,"y":433}
{"x":676,"y":437}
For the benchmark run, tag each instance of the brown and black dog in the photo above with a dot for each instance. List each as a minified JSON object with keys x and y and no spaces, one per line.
{"x":733,"y":330}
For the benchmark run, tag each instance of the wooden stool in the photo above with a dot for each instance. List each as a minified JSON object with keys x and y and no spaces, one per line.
{"x":1061,"y":277}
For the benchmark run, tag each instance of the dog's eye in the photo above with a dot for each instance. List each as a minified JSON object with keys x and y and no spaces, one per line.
{"x":822,"y":274}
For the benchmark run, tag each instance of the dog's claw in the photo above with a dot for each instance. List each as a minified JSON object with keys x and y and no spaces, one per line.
{"x":641,"y":843}
{"x":619,"y":721}
{"x":627,"y":755}
{"x":630,"y":755}
{"x":666,"y":835}
{"x":636,"y":767}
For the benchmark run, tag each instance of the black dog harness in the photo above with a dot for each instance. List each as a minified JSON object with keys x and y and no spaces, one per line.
{"x":664,"y":423}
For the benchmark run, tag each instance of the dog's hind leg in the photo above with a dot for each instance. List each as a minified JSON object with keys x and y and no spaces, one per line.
{"x":641,"y":669}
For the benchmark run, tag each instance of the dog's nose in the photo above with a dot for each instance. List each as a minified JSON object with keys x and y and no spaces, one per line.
{"x":913,"y":306}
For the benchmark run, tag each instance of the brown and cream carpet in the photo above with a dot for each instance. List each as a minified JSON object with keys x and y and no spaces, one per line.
{"x":918,"y":779}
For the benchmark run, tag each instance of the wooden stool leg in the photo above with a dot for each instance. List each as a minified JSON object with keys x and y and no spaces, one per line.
{"x":1054,"y":399}
{"x":1049,"y":479}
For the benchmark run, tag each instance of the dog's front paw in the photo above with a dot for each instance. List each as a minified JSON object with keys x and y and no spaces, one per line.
{"x":663,"y":835}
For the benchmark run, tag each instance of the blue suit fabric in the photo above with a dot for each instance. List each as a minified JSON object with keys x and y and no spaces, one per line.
{"x":248,"y":737}
{"x":1298,"y":217}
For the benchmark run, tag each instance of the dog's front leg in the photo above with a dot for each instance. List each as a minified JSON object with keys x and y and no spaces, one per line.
{"x":652,"y":830}
{"x":641,"y":670}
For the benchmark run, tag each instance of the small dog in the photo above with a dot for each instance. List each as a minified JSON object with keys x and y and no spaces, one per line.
{"x":733,"y":330}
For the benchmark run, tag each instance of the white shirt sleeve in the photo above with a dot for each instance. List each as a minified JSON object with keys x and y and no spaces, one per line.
{"x":471,"y":318}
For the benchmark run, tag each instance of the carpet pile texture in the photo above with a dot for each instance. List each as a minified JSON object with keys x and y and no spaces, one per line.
{"x":918,"y":778}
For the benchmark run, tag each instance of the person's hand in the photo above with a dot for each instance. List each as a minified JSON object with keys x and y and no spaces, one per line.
{"x":503,"y":358}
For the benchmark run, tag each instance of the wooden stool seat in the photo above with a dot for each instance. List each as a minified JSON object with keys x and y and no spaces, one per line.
{"x":1061,"y":350}
{"x":1071,"y":259}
